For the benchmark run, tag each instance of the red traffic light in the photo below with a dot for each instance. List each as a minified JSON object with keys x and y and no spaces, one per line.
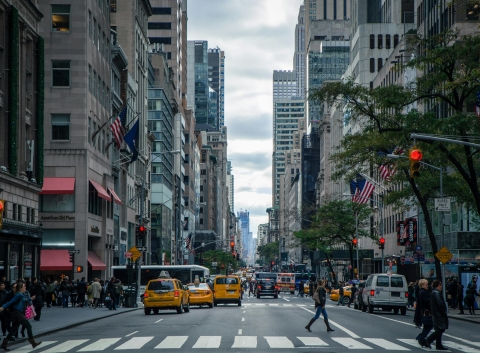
{"x":273,"y":263}
{"x":382,"y":240}
{"x":416,"y":154}
{"x":141,"y":229}
{"x":354,"y":241}
{"x":232,"y":243}
{"x":2,"y":206}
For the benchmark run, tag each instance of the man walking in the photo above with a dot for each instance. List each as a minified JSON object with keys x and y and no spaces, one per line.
{"x":65,"y":289}
{"x":95,"y":289}
{"x":341,"y":294}
{"x":3,"y":316}
{"x":439,"y":316}
{"x":352,"y":295}
{"x":81,"y":291}
{"x":460,"y":297}
{"x":301,"y":289}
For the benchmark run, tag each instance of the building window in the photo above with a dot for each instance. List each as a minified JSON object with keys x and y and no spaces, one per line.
{"x":334,"y":10}
{"x":60,"y":73}
{"x":90,"y":23}
{"x":94,"y":30}
{"x":19,"y":214}
{"x":380,"y":41}
{"x":162,"y":10}
{"x":372,"y":65}
{"x":372,"y":41}
{"x":94,"y":202}
{"x":185,"y":179}
{"x":159,"y":25}
{"x":60,"y":126}
{"x":387,"y":41}
{"x":60,"y":18}
{"x":160,"y":40}
{"x":113,"y":5}
{"x":94,"y":82}
{"x":201,"y":209}
{"x":90,"y":78}
{"x":380,"y":63}
{"x":395,"y":40}
{"x":201,"y":221}
{"x":89,"y":137}
{"x":99,"y":33}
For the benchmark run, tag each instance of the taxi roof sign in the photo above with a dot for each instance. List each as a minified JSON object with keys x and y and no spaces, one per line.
{"x":444,"y":255}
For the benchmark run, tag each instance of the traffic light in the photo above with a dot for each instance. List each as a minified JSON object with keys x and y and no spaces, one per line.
{"x":415,"y":156}
{"x":2,"y":208}
{"x":381,"y":242}
{"x":79,"y":269}
{"x":238,"y":256}
{"x":140,"y":232}
{"x":234,"y":255}
{"x":71,"y":257}
{"x":354,"y":242}
{"x":273,"y":263}
{"x":232,"y":246}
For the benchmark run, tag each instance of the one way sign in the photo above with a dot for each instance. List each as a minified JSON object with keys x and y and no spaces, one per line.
{"x":442,"y":204}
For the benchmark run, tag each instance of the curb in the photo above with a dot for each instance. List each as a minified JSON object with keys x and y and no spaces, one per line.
{"x":459,"y":318}
{"x":78,"y":323}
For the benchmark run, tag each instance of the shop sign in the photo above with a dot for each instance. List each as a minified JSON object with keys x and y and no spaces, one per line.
{"x":58,"y":218}
{"x":94,"y":229}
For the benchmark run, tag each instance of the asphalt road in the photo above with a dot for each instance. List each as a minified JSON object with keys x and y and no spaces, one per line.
{"x":259,"y":325}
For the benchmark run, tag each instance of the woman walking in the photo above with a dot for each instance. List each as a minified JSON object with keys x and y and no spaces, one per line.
{"x":19,"y":305}
{"x":423,"y":315}
{"x":320,"y":298}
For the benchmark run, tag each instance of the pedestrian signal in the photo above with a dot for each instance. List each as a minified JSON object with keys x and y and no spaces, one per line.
{"x":71,"y":258}
{"x":79,"y":269}
{"x":415,"y":156}
{"x":2,"y":208}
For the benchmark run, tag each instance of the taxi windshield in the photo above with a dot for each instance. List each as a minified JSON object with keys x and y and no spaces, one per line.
{"x":160,"y":285}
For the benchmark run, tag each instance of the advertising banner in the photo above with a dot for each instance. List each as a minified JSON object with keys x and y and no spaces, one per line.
{"x":407,"y":232}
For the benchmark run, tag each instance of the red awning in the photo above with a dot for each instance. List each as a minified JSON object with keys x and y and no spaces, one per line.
{"x":95,"y":261}
{"x":115,"y":196}
{"x":58,"y":186}
{"x":55,"y":260}
{"x":101,"y":191}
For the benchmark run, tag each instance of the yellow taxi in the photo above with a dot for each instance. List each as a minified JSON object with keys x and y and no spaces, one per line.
{"x":347,"y":292}
{"x":227,"y":289}
{"x":200,"y":294}
{"x":165,"y":293}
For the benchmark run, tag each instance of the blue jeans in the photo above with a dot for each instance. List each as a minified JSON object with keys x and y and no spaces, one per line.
{"x":322,"y":311}
{"x":65,"y":300}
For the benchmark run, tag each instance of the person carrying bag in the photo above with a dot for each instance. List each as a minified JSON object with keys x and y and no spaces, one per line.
{"x":320,"y":298}
{"x":19,"y":306}
{"x":423,"y":315}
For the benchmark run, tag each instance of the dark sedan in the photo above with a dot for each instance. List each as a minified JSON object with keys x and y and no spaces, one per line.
{"x":267,"y":287}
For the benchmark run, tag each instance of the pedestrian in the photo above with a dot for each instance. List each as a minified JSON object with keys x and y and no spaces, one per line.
{"x":50,"y":293}
{"x":310,"y":288}
{"x":460,"y":297}
{"x":95,"y":290}
{"x":65,"y":289}
{"x":423,"y":315}
{"x":341,"y":293}
{"x":73,"y":294}
{"x":471,"y":293}
{"x":7,"y":313}
{"x":411,"y":294}
{"x":110,"y":292}
{"x":39,"y":294}
{"x":438,"y":309}
{"x":81,"y":291}
{"x":301,"y":288}
{"x":352,"y":294}
{"x":251,"y":288}
{"x":19,"y":305}
{"x":118,"y":292}
{"x":3,"y":316}
{"x":320,"y":298}
{"x":7,"y":284}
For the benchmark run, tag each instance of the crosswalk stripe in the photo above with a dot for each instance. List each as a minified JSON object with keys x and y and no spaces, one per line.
{"x":460,"y":347}
{"x":386,"y":344}
{"x":65,"y":346}
{"x":312,"y":341}
{"x":273,"y":304}
{"x":28,"y":348}
{"x":260,"y":304}
{"x":287,"y":304}
{"x":135,"y":343}
{"x":172,"y":342}
{"x":100,"y":345}
{"x":412,"y":342}
{"x":279,"y":342}
{"x":208,"y":342}
{"x":350,"y":343}
{"x":245,"y":342}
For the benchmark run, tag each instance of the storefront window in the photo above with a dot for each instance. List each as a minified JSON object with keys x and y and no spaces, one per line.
{"x":28,"y":261}
{"x":14,"y":262}
{"x":3,"y":271}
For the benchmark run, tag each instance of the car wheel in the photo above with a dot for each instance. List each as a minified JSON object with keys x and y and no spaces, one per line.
{"x":147,"y":311}
{"x":180,"y":309}
{"x":346,"y":300}
{"x":187,"y":309}
{"x":239,"y":303}
{"x":395,"y":311}
{"x":403,"y":311}
{"x":210,"y":305}
{"x":155,"y":311}
{"x":370,"y":308}
{"x":215,"y":303}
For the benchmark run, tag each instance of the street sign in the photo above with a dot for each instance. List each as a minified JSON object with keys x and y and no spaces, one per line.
{"x":74,"y":251}
{"x":442,"y":204}
{"x":135,"y":253}
{"x":443,"y":255}
{"x":128,"y":255}
{"x":141,"y":248}
{"x":214,"y":264}
{"x":418,"y":248}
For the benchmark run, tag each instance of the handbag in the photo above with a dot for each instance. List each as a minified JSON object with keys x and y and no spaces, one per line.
{"x":30,"y":312}
{"x":316,"y":297}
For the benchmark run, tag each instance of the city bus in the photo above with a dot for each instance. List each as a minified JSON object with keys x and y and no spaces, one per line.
{"x":304,"y":277}
{"x":185,"y":273}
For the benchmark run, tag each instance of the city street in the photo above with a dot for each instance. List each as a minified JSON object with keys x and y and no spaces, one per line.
{"x":259,"y":325}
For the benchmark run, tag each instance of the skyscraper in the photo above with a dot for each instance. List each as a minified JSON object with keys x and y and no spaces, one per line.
{"x":299,"y":56}
{"x":216,"y":80}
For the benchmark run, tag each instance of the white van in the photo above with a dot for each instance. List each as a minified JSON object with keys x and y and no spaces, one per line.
{"x":385,"y":291}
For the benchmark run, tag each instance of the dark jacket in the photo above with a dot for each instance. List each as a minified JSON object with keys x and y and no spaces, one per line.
{"x":65,"y":288}
{"x":111,"y":289}
{"x":301,"y":287}
{"x":322,"y":294}
{"x":439,"y":311}
{"x":82,"y":287}
{"x":423,"y":306}
{"x":3,"y":295}
{"x":340,"y":291}
{"x":39,"y":294}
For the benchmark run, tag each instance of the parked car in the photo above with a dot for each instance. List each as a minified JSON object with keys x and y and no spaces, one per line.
{"x":386,"y":291}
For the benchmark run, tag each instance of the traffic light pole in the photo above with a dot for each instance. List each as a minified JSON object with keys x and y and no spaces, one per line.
{"x":356,"y":236}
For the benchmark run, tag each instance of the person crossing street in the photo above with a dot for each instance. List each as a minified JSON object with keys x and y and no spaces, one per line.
{"x":320,"y":298}
{"x":439,"y":316}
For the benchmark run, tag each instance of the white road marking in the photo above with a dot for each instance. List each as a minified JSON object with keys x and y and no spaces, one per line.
{"x":312,"y":341}
{"x":414,"y":343}
{"x":100,"y":345}
{"x":386,"y":344}
{"x":171,"y":342}
{"x":208,"y":342}
{"x":279,"y":342}
{"x":350,"y":343}
{"x":243,"y":319}
{"x":134,"y":332}
{"x":245,"y":342}
{"x":287,"y":304}
{"x":273,"y":304}
{"x":158,"y":320}
{"x":476,"y":344}
{"x":134,"y":343}
{"x":301,"y":305}
{"x":260,"y":304}
{"x":65,"y":346}
{"x":286,"y":299}
{"x":244,"y":311}
{"x":240,"y":331}
{"x":460,"y":347}
{"x":28,"y":348}
{"x":344,"y":329}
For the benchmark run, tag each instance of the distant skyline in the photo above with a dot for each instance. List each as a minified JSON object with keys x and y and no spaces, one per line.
{"x":257,"y":37}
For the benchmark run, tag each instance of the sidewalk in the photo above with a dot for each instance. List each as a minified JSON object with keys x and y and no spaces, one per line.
{"x":454,"y":314}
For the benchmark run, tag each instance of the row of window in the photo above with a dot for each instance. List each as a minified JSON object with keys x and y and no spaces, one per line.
{"x":98,"y":88}
{"x":380,"y":41}
{"x":100,"y":40}
{"x":100,"y":140}
{"x":19,"y":213}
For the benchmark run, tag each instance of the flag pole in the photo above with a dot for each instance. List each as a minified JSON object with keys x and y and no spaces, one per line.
{"x":94,"y":134}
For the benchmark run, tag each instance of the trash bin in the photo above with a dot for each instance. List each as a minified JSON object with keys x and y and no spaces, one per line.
{"x":130,"y":300}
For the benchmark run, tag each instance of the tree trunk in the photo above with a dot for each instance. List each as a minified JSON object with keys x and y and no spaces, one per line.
{"x":329,"y":264}
{"x":350,"y":250}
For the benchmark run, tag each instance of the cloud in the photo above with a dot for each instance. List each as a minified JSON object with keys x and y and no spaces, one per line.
{"x":257,"y":37}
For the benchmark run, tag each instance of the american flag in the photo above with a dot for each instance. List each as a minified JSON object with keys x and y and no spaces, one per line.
{"x":364,"y":191}
{"x":387,"y":171}
{"x":118,"y":127}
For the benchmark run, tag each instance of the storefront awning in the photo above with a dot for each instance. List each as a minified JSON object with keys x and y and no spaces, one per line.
{"x":58,"y":186}
{"x":95,"y":261}
{"x":115,"y":196}
{"x":101,"y":191}
{"x":55,"y":260}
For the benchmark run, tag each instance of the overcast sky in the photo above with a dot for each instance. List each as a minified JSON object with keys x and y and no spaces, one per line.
{"x":257,"y":37}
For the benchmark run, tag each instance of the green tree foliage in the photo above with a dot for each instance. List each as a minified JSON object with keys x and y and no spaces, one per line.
{"x":334,"y":226}
{"x":222,"y":258}
{"x":448,"y":79}
{"x":267,"y":252}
